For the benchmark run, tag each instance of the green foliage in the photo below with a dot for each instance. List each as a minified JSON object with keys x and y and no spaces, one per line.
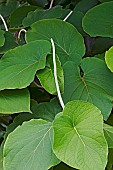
{"x":38,"y":131}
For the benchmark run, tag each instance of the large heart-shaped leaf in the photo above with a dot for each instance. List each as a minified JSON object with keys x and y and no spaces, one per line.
{"x":18,"y":66}
{"x":37,"y":15}
{"x":69,"y":43}
{"x":79,"y":140}
{"x":98,"y":21}
{"x":14,"y":101}
{"x":92,"y":84}
{"x":29,"y":147}
{"x":109,"y":58}
{"x":2,"y":38}
{"x":108,"y":132}
{"x":46,"y":76}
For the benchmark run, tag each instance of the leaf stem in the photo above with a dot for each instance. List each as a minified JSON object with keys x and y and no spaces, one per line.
{"x":68,"y":16}
{"x":22,"y":30}
{"x":3,"y":20}
{"x":55,"y":75}
{"x":51,"y":4}
{"x":37,"y":85}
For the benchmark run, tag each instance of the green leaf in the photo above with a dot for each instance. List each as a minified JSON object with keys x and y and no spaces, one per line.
{"x":2,"y":38}
{"x":109,"y":58}
{"x":30,"y":147}
{"x":79,"y":140}
{"x":98,"y":20}
{"x":46,"y":76}
{"x":46,"y":110}
{"x":37,"y":15}
{"x":69,"y":43}
{"x":93,"y":84}
{"x":19,"y":14}
{"x":10,"y":42}
{"x":18,"y":66}
{"x":84,"y":5}
{"x":108,"y":132}
{"x":14,"y":101}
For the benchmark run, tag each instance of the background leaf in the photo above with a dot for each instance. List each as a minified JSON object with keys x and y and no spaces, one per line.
{"x":33,"y":143}
{"x":37,"y":15}
{"x":69,"y":43}
{"x":91,"y":82}
{"x":79,"y":140}
{"x":98,"y":20}
{"x":19,"y":14}
{"x":18,"y":66}
{"x":14,"y":101}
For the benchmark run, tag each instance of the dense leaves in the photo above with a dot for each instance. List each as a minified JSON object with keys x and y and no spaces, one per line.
{"x":45,"y":44}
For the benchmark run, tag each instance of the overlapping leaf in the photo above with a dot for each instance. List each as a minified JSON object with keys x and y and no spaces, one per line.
{"x":79,"y":140}
{"x":2,"y":38}
{"x":37,"y":15}
{"x":19,"y":14}
{"x":69,"y":43}
{"x":109,"y":58}
{"x":108,"y":132}
{"x":14,"y":101}
{"x":18,"y":66}
{"x":98,"y":21}
{"x":46,"y":76}
{"x":46,"y":110}
{"x":93,"y":85}
{"x":30,"y":147}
